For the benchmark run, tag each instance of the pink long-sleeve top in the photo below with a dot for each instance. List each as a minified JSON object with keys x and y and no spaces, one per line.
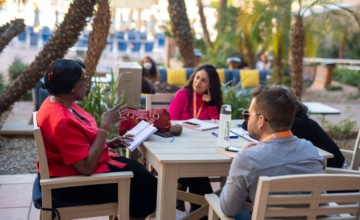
{"x":178,"y":108}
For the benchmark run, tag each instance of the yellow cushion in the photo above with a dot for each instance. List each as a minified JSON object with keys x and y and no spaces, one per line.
{"x":176,"y":76}
{"x":249,"y":78}
{"x":221,"y":73}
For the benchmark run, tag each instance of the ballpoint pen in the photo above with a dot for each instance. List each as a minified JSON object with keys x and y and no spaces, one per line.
{"x":232,"y":136}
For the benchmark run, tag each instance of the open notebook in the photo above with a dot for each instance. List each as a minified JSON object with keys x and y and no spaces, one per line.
{"x":141,"y":132}
{"x":243,"y":133}
{"x":203,"y":125}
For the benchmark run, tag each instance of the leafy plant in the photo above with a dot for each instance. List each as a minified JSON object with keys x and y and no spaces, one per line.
{"x":346,"y":76}
{"x":333,"y":88}
{"x":101,"y":97}
{"x":16,"y":68}
{"x":239,"y":98}
{"x":2,"y":83}
{"x":342,"y":129}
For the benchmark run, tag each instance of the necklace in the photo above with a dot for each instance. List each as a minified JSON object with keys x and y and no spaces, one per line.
{"x":196,"y":114}
{"x":61,"y":101}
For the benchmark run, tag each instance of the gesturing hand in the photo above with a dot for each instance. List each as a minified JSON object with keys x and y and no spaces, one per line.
{"x":112,"y":116}
{"x":206,"y":96}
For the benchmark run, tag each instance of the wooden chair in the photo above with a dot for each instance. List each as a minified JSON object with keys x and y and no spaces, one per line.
{"x":50,"y":206}
{"x":156,"y":101}
{"x":353,"y":156}
{"x":273,"y":199}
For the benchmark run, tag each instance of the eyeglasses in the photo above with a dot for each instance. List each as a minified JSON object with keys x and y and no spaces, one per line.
{"x":85,"y":79}
{"x":246,"y":115}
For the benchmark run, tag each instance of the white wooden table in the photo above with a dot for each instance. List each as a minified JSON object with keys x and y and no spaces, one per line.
{"x":321,"y":109}
{"x":193,"y":154}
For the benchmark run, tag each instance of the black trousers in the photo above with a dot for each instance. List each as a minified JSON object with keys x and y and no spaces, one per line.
{"x":143,"y":189}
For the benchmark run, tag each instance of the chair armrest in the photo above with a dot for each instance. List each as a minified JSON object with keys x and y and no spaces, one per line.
{"x":95,"y":179}
{"x":214,"y":207}
{"x":341,"y":171}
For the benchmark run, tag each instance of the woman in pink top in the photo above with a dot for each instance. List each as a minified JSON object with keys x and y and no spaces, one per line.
{"x":201,"y":98}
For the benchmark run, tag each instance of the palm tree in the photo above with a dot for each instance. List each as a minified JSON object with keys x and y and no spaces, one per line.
{"x":98,"y":37}
{"x":203,"y":24}
{"x":9,"y":31}
{"x":221,"y":15}
{"x":266,"y":12}
{"x":64,"y":37}
{"x":180,"y":27}
{"x":298,"y":34}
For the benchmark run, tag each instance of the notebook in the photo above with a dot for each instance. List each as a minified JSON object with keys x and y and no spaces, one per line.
{"x":141,"y":132}
{"x":243,"y":133}
{"x":203,"y":125}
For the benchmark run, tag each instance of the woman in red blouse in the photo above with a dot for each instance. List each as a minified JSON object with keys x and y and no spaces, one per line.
{"x":75,"y":145}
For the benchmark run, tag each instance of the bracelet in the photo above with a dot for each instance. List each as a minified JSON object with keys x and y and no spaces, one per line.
{"x":103,"y":130}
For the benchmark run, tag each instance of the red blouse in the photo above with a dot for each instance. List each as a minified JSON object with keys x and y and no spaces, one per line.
{"x":67,"y":138}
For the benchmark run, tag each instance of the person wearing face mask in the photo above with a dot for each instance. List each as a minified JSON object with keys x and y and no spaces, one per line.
{"x":201,"y":98}
{"x":152,"y":75}
{"x":151,"y":71}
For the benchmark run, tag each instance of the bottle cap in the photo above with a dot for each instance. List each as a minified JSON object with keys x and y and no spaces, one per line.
{"x":226,"y":109}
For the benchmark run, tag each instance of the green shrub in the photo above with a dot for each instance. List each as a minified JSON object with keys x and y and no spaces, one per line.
{"x":333,"y":88}
{"x":2,"y":83}
{"x":101,"y":97}
{"x":340,"y":130}
{"x":237,"y":97}
{"x":16,"y":68}
{"x":346,"y":76}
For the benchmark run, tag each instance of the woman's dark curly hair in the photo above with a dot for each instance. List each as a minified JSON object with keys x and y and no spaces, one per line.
{"x":62,"y":75}
{"x":215,"y":85}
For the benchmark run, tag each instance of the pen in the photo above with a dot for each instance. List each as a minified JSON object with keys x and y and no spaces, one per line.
{"x":214,"y":133}
{"x":232,"y":136}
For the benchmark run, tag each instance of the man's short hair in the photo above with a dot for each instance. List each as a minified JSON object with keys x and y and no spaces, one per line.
{"x":276,"y":104}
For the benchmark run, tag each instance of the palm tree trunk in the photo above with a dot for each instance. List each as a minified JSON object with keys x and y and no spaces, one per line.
{"x":342,"y":47}
{"x":221,"y":11}
{"x":64,"y":37}
{"x":9,"y":31}
{"x":203,"y":24}
{"x":98,"y":36}
{"x":181,"y":30}
{"x":277,"y":66}
{"x":297,"y":45}
{"x":249,"y":52}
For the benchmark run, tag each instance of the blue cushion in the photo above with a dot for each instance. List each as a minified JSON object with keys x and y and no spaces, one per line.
{"x":163,"y":74}
{"x":235,"y":75}
{"x":263,"y":74}
{"x":189,"y":71}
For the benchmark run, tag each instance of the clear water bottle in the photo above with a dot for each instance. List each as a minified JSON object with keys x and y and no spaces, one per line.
{"x":224,"y":126}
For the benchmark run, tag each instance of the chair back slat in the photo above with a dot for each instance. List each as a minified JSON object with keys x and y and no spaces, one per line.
{"x":157,"y":101}
{"x":355,"y":162}
{"x":307,"y":196}
{"x":44,"y":169}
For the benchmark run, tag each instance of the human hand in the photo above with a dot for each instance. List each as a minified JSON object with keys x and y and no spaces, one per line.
{"x":248,"y":145}
{"x":120,"y":141}
{"x":112,"y":116}
{"x":206,"y":96}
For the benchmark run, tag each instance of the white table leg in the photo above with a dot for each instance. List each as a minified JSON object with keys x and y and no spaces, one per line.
{"x":166,"y":192}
